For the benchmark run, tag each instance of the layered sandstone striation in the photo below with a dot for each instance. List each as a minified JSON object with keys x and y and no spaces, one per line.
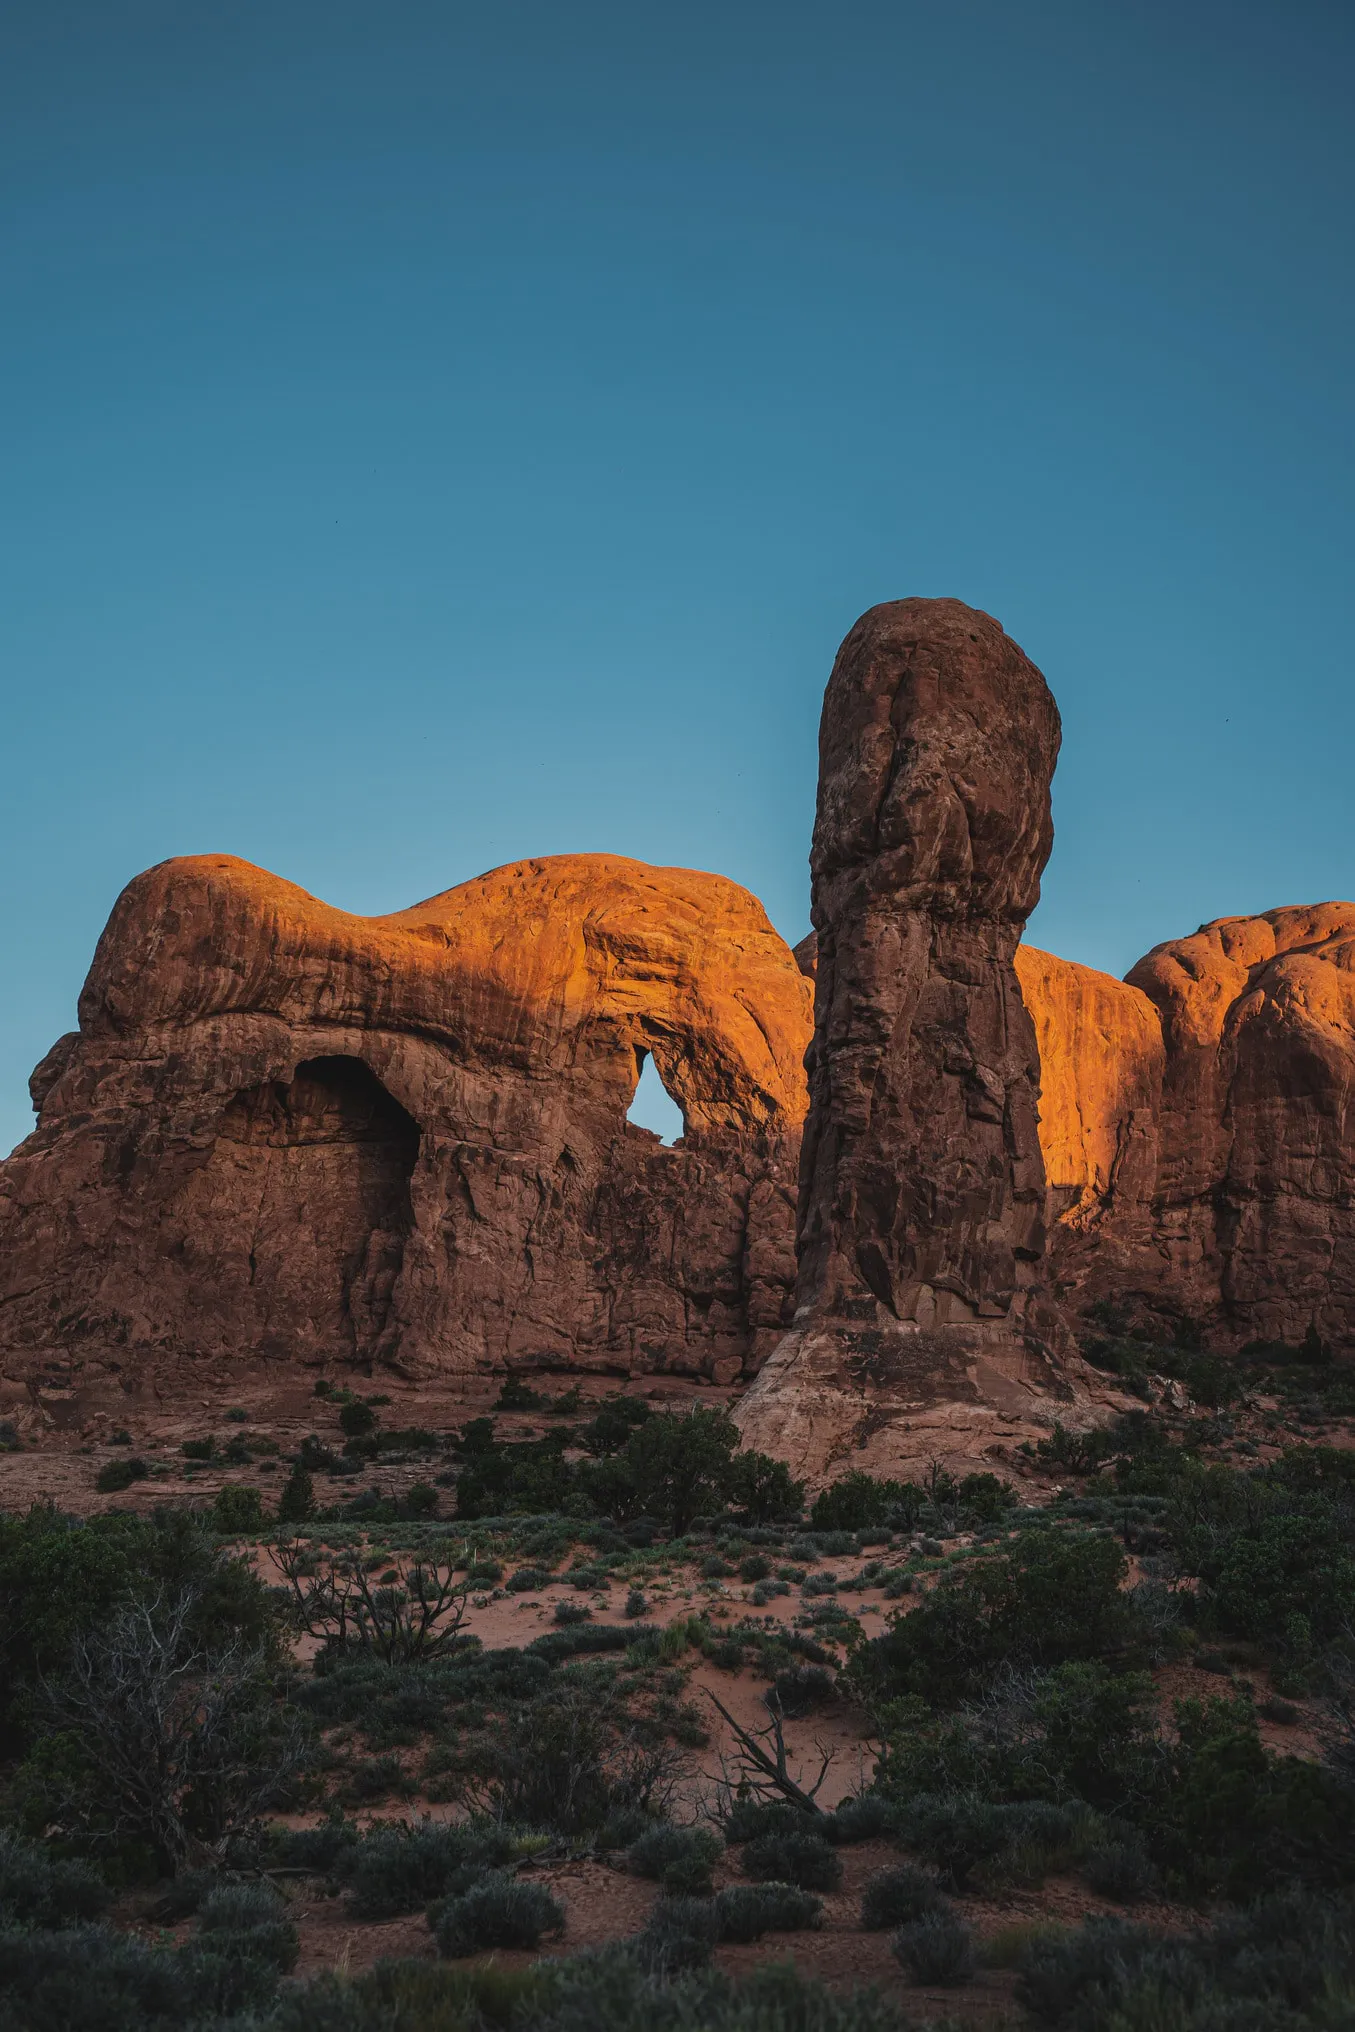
{"x":285,"y":1131}
{"x":923,"y":1195}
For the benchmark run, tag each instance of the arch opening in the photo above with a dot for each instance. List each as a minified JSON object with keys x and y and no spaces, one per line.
{"x":652,"y":1106}
{"x":296,"y":1226}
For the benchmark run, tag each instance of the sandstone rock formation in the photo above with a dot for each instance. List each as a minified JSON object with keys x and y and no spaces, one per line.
{"x":922,"y":1199}
{"x":1101,"y":1068}
{"x":285,"y":1131}
{"x":1244,"y":1227}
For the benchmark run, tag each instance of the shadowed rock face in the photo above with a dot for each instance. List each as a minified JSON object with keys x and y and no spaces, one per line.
{"x":922,"y":1197}
{"x":288,"y":1131}
{"x":923,"y":1187}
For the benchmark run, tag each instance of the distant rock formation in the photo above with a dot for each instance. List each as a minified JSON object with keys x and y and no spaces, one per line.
{"x":1199,"y":1120}
{"x":922,"y":1196}
{"x":288,"y":1132}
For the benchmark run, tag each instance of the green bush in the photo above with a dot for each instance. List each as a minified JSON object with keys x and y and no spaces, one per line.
{"x":681,"y":1858}
{"x":792,"y":1857}
{"x":898,"y":1896}
{"x":399,"y":1868}
{"x":937,"y":1948}
{"x":1120,"y":1870}
{"x":527,"y":1580}
{"x":869,"y":1817}
{"x":617,"y":1989}
{"x":39,"y":1889}
{"x":249,"y":1920}
{"x":1014,"y":1841}
{"x":745,"y":1912}
{"x":297,"y":1501}
{"x":859,"y":1500}
{"x":803,"y":1688}
{"x":237,"y":1508}
{"x":117,"y":1475}
{"x":356,"y":1419}
{"x":679,"y":1934}
{"x":763,"y":1488}
{"x":1048,"y":1597}
{"x":92,"y":1979}
{"x":749,"y":1818}
{"x":498,"y":1912}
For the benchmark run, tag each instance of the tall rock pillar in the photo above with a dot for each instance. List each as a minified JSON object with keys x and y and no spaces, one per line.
{"x":922,"y":1188}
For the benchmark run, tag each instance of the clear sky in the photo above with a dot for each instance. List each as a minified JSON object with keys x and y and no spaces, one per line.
{"x":439,"y":433}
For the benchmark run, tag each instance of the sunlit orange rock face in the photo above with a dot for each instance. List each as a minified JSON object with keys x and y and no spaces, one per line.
{"x":1198,"y":1128}
{"x":282,"y":1130}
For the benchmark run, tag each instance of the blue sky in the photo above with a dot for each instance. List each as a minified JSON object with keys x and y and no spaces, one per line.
{"x":438,"y":434}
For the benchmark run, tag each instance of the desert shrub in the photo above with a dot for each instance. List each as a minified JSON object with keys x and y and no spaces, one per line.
{"x":531,"y":1477}
{"x":584,"y":1638}
{"x":679,"y":1934}
{"x":820,"y":1583}
{"x":763,"y":1488}
{"x":869,"y":1817}
{"x":356,"y":1419}
{"x":1273,"y":1552}
{"x":60,"y":1575}
{"x":406,"y":1613}
{"x":898,"y":1896}
{"x":297,"y":1501}
{"x":398,"y":1868}
{"x":984,"y":1499}
{"x":1095,"y":1966}
{"x":749,"y":1818}
{"x":162,"y":1731}
{"x":612,"y":1424}
{"x":320,"y":1849}
{"x":237,"y":1508}
{"x":755,"y":1567}
{"x":389,"y":1703}
{"x":497,"y":1912}
{"x":682,"y":1858}
{"x":937,"y":1948}
{"x":803,"y":1688}
{"x":591,"y":1756}
{"x":39,"y":1889}
{"x":116,"y":1475}
{"x":1233,"y":1819}
{"x":745,"y":1912}
{"x":88,"y":1979}
{"x":1048,"y":1597}
{"x":859,"y":1500}
{"x":572,"y":1612}
{"x":793,"y":1857}
{"x":637,"y":1603}
{"x":527,"y":1580}
{"x":1012,"y":1841}
{"x":198,"y":1449}
{"x":1119,"y":1870}
{"x":612,"y":1989}
{"x":249,"y":1919}
{"x":681,"y":1462}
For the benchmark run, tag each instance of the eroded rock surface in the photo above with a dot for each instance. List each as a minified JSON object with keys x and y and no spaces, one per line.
{"x":1198,"y":1129}
{"x":286,"y":1131}
{"x":922,"y":1200}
